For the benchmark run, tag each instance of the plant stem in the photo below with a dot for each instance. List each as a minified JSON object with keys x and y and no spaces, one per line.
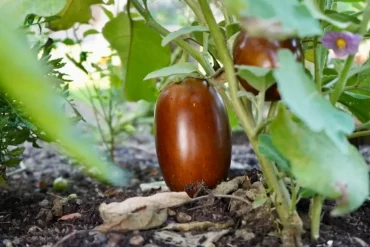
{"x":317,"y":61}
{"x":178,"y":41}
{"x":228,"y":66}
{"x":281,"y":195}
{"x":342,"y":81}
{"x":359,"y":134}
{"x":315,"y":210}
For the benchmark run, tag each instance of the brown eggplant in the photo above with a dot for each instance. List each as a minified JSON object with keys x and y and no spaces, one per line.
{"x":262,"y":52}
{"x":192,"y":135}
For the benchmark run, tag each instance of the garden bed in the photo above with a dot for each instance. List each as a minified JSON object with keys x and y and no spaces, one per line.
{"x":31,"y":211}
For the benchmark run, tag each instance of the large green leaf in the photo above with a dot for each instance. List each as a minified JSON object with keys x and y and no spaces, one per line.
{"x":357,"y":101}
{"x":358,"y":107}
{"x":299,"y":94}
{"x":319,"y":165}
{"x":75,"y":11}
{"x":23,"y":77}
{"x":267,"y":149}
{"x":21,"y":8}
{"x":140,"y":50}
{"x":292,"y":17}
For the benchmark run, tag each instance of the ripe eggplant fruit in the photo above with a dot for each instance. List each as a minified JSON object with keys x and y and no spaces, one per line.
{"x":192,"y":135}
{"x":262,"y":52}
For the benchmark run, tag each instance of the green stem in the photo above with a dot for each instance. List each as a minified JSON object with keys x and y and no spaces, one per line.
{"x":226,"y":60}
{"x":294,"y":202}
{"x":359,"y":134}
{"x":342,"y":81}
{"x":272,"y":109}
{"x":281,"y":194}
{"x":178,"y":41}
{"x":315,"y":211}
{"x":317,"y":61}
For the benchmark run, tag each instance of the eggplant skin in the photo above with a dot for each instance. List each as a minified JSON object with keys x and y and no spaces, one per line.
{"x":192,"y":135}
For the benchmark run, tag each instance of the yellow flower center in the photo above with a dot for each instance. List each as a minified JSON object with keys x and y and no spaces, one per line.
{"x":341,"y":43}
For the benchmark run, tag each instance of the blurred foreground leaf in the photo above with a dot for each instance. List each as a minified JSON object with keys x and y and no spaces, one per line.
{"x":319,"y":165}
{"x":298,"y":92}
{"x":24,"y":79}
{"x":21,"y":8}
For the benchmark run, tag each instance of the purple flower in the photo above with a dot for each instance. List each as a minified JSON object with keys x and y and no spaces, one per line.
{"x":342,"y":43}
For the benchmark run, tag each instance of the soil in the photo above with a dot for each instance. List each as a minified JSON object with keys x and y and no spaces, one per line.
{"x":30,"y":209}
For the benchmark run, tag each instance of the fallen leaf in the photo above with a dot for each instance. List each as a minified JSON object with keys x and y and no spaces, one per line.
{"x":203,"y":225}
{"x":70,"y":216}
{"x":188,"y":239}
{"x":231,"y":186}
{"x":139,"y":212}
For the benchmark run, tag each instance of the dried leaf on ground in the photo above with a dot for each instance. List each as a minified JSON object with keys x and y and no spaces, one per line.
{"x":155,"y":185}
{"x":187,"y":239}
{"x":198,"y":226}
{"x":260,"y":213}
{"x":232,"y":185}
{"x":138,"y":213}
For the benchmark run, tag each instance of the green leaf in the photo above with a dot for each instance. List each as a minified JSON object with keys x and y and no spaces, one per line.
{"x":358,"y":107}
{"x":42,"y":103}
{"x":11,"y":162}
{"x":342,"y":17}
{"x":267,"y":149}
{"x":257,"y":77}
{"x":306,"y":193}
{"x":107,"y":12}
{"x":316,"y":12}
{"x":319,"y":165}
{"x":182,"y":31}
{"x":75,"y":11}
{"x":21,"y":8}
{"x":17,"y":151}
{"x":90,"y":32}
{"x":280,"y":16}
{"x":176,"y":69}
{"x":3,"y":121}
{"x":299,"y":93}
{"x":140,"y":51}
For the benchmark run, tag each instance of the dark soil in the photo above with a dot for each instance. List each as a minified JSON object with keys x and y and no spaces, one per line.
{"x":29,"y":213}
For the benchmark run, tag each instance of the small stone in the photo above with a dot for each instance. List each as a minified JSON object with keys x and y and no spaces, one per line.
{"x":34,"y":238}
{"x":208,"y":244}
{"x":137,"y":240}
{"x":16,"y":241}
{"x":183,"y":217}
{"x":44,"y":203}
{"x":78,"y":201}
{"x":245,"y":234}
{"x":171,"y":212}
{"x":49,"y":216}
{"x":150,"y":245}
{"x":250,"y":195}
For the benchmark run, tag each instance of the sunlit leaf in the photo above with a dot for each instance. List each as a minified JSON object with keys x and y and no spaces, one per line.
{"x":140,"y":51}
{"x":21,"y":8}
{"x":90,"y":32}
{"x":299,"y":93}
{"x":75,"y":11}
{"x":319,"y":165}
{"x":265,"y":17}
{"x":257,"y":77}
{"x":182,"y":31}
{"x":178,"y":68}
{"x":43,"y":104}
